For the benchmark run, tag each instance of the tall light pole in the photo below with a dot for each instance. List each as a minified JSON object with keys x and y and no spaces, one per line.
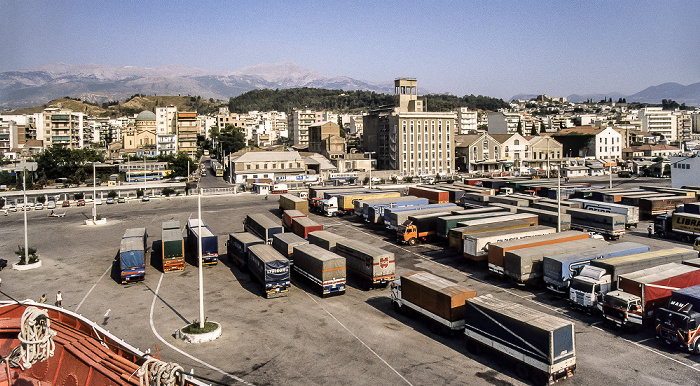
{"x":610,"y":171}
{"x":24,"y":209}
{"x":559,"y":198}
{"x":199,"y":247}
{"x":94,"y":194}
{"x":370,"y":168}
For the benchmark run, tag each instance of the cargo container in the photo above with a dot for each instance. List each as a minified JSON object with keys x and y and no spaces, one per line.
{"x":569,"y":203}
{"x":610,"y":225}
{"x":237,"y":247}
{"x":499,"y":220}
{"x":599,"y":195}
{"x":457,"y":235}
{"x":132,"y":259}
{"x":445,"y":223}
{"x":270,"y":269}
{"x":287,"y":217}
{"x":455,"y":194}
{"x":173,"y":249}
{"x":508,"y":200}
{"x":631,"y":213}
{"x":372,"y":267}
{"x":525,"y":265}
{"x":325,"y":239}
{"x":559,"y":268}
{"x":678,"y":323}
{"x":375,"y":212}
{"x":544,"y":217}
{"x":434,"y":196}
{"x":398,"y":216}
{"x":549,"y":206}
{"x":692,"y":262}
{"x":210,"y":242}
{"x":678,"y":226}
{"x":284,"y":243}
{"x":669,"y":190}
{"x":172,"y":224}
{"x":361,"y":208}
{"x":346,"y":202}
{"x":616,"y":195}
{"x":318,"y":191}
{"x":542,"y":345}
{"x":439,"y":300}
{"x":262,"y":226}
{"x":497,"y":251}
{"x":633,"y":199}
{"x":476,"y":245}
{"x":420,"y":227}
{"x":474,"y":200}
{"x":691,"y":207}
{"x":643,"y":292}
{"x":291,"y":202}
{"x":324,"y":270}
{"x":653,"y":206}
{"x":302,"y":226}
{"x":600,"y":276}
{"x":138,"y":233}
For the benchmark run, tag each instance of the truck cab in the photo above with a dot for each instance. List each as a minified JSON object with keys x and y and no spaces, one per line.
{"x":329,"y":207}
{"x":679,"y":328}
{"x":622,"y":309}
{"x":407,"y":233}
{"x":587,"y":288}
{"x":662,"y":224}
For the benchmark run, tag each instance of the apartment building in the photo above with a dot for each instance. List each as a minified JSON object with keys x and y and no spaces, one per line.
{"x":60,"y":126}
{"x":591,"y":141}
{"x":467,"y":120}
{"x":657,"y":120}
{"x":166,"y":119}
{"x":265,"y":166}
{"x":504,"y":123}
{"x":299,"y":122}
{"x":187,"y":130}
{"x":321,"y":131}
{"x":408,"y":139}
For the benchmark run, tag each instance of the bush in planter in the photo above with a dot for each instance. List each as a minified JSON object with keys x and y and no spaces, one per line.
{"x":168,"y":191}
{"x":112,"y":194}
{"x":79,"y":196}
{"x":33,"y":257}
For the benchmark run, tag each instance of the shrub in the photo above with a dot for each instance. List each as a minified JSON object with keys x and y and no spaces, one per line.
{"x":167,"y":191}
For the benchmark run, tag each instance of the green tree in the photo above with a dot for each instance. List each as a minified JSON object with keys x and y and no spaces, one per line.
{"x":520,"y":127}
{"x":179,"y":165}
{"x":232,"y":139}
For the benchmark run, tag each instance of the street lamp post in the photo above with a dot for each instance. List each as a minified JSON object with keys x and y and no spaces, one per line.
{"x":94,"y":194}
{"x":199,"y":248}
{"x":24,"y":209}
{"x":369,"y":153}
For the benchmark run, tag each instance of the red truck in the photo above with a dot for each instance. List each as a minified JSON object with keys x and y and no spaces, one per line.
{"x":434,"y":196}
{"x":302,"y":226}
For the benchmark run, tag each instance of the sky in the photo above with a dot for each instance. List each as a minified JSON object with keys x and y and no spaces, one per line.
{"x":490,"y":47}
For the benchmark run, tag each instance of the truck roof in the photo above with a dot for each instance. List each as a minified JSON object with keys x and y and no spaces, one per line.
{"x":642,"y":256}
{"x":596,"y":251}
{"x":245,"y":237}
{"x":325,"y":235}
{"x":173,"y":224}
{"x":171,"y":235}
{"x":289,"y":238}
{"x":264,"y":221}
{"x":135,"y":232}
{"x":294,"y":213}
{"x":194,"y":223}
{"x":437,"y":283}
{"x":516,"y":311}
{"x":266,"y":253}
{"x":317,"y":252}
{"x":131,"y":244}
{"x":658,"y":273}
{"x":553,"y":236}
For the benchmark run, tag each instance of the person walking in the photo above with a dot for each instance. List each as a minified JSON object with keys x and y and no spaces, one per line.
{"x":59,"y":298}
{"x":42,"y":299}
{"x":650,"y":230}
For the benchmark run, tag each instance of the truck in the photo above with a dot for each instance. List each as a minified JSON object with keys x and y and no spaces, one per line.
{"x":278,"y":188}
{"x":651,"y":207}
{"x":497,"y":251}
{"x":678,"y":226}
{"x":542,"y":345}
{"x":237,"y":247}
{"x":370,"y":266}
{"x":524,"y":265}
{"x":631,"y":213}
{"x":324,"y":270}
{"x":455,"y":194}
{"x":610,"y":225}
{"x":471,"y":200}
{"x":375,"y":212}
{"x":132,"y":257}
{"x":302,"y":226}
{"x":641,"y":293}
{"x":445,"y":223}
{"x":457,"y":235}
{"x":434,"y":196}
{"x":395,"y":217}
{"x":438,"y":300}
{"x":270,"y":269}
{"x":586,"y":290}
{"x":210,"y":242}
{"x":287,"y":217}
{"x":262,"y":226}
{"x":291,"y":202}
{"x":559,"y":268}
{"x":544,"y":217}
{"x":678,"y":323}
{"x":284,"y":243}
{"x":172,"y":246}
{"x":421,"y":227}
{"x":325,"y":239}
{"x":476,"y":245}
{"x":345,"y":203}
{"x":377,"y":197}
{"x":508,"y":201}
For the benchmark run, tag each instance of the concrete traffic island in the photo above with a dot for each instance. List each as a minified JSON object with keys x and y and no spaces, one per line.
{"x":92,"y":222}
{"x":26,"y":267}
{"x":193,"y":334}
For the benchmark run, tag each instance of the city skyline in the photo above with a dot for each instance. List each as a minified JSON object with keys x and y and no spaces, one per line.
{"x":498,"y":49}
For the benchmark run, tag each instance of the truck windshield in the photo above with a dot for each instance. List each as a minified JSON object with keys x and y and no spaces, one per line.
{"x":616,"y":302}
{"x":582,"y":286}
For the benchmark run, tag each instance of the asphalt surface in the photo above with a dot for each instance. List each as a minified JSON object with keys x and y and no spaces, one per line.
{"x":300,"y":339}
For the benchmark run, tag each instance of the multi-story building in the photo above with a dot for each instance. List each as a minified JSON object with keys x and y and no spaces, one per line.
{"x":406,"y":138}
{"x":320,"y":131}
{"x":299,"y":122}
{"x":659,"y":121}
{"x":187,"y":130}
{"x":466,"y":120}
{"x":504,"y":123}
{"x":265,"y":166}
{"x":166,"y":118}
{"x":684,"y":125}
{"x":61,"y":126}
{"x":590,"y":141}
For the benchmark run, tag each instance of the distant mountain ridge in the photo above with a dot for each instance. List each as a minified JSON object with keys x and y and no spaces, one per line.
{"x":690,"y":95}
{"x":101,"y":83}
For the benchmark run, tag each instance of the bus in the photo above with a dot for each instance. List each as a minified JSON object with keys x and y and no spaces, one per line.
{"x":346,"y":176}
{"x":217,"y":168}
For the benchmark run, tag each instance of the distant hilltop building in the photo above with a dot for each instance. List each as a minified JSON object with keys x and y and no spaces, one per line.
{"x":409,"y":139}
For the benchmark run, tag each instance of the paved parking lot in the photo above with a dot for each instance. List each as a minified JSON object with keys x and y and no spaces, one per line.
{"x":355,"y":338}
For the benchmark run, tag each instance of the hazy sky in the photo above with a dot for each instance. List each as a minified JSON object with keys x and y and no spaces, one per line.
{"x":495,"y":48}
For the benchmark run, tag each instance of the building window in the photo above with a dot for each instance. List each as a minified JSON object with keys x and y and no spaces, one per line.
{"x":516,"y":142}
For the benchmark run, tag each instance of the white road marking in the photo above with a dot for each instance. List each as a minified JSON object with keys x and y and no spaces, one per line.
{"x":153,"y":328}
{"x":107,"y":313}
{"x":358,"y":339}
{"x":93,"y":287}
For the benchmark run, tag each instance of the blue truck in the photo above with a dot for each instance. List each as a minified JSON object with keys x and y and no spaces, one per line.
{"x":132,"y":255}
{"x":374,"y":213}
{"x":560,"y":268}
{"x":237,"y":247}
{"x":270,"y":269}
{"x":210,"y":242}
{"x":389,"y":211}
{"x":262,"y":226}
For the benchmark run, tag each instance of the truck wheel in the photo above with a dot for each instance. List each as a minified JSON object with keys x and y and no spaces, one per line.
{"x":696,"y":348}
{"x":473,"y":347}
{"x":540,"y":378}
{"x":522,"y":371}
{"x":434,"y":327}
{"x":412,"y":241}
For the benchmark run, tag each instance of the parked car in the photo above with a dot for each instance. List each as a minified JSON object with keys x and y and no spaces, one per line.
{"x":51,"y":204}
{"x":121,"y":200}
{"x":81,"y":202}
{"x":38,"y":206}
{"x":110,"y":200}
{"x":145,"y":198}
{"x":98,"y":201}
{"x":65,"y":204}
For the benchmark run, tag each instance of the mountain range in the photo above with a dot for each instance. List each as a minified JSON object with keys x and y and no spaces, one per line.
{"x":99,"y":83}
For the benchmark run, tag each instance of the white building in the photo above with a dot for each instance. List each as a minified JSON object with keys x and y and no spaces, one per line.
{"x":299,"y":122}
{"x":685,"y":171}
{"x":166,"y":120}
{"x":467,"y":120}
{"x":504,"y":123}
{"x":656,"y":120}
